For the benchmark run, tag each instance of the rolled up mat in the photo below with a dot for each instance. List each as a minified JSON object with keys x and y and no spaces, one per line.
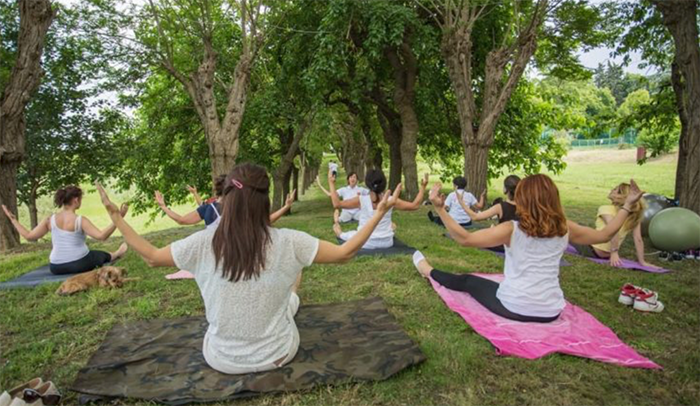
{"x":161,"y":360}
{"x":575,"y":332}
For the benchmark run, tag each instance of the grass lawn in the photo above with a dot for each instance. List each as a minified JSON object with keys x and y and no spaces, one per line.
{"x":42,"y":334}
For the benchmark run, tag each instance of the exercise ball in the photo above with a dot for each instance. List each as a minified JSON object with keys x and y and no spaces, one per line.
{"x":654,"y":204}
{"x":675,"y":229}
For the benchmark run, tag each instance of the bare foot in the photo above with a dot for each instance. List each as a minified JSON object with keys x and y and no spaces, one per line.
{"x":337,"y":229}
{"x":120,"y":252}
{"x":421,"y":264}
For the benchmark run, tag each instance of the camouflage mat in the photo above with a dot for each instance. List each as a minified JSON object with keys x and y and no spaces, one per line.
{"x":161,"y":360}
{"x":399,"y":248}
{"x":34,"y":278}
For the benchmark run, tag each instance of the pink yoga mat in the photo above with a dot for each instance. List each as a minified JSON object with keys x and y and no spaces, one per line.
{"x":626,"y":263}
{"x":575,"y":332}
{"x":180,"y":275}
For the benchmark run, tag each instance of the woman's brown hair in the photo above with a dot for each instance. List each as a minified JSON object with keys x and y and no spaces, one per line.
{"x":66,"y":195}
{"x":636,"y":211}
{"x":539,"y":208}
{"x":242,"y":237}
{"x":510,"y":183}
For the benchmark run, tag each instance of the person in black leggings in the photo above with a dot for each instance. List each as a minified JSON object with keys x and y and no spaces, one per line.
{"x":538,"y":240}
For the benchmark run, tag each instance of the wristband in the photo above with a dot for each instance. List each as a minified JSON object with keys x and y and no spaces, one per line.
{"x":614,"y":250}
{"x":626,"y":209}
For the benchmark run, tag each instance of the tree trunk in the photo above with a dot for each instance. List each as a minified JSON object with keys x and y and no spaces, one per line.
{"x":281,"y":176}
{"x":35,"y":18}
{"x":677,"y":82}
{"x":680,"y":18}
{"x":33,"y":212}
{"x":295,"y":182}
{"x":476,"y":167}
{"x":405,"y":69}
{"x":392,"y":136}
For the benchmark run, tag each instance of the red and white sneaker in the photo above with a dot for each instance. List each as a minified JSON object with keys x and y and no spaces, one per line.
{"x":627,"y":294}
{"x":647,"y":301}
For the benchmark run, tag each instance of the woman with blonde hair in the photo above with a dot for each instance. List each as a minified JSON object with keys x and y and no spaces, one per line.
{"x":534,"y":245}
{"x":610,"y":249}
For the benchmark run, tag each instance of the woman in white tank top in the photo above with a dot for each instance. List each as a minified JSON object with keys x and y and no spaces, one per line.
{"x":534,"y":245}
{"x":69,"y":253}
{"x":383,"y":235}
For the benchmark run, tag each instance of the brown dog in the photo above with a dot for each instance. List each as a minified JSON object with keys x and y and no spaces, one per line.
{"x":107,"y":276}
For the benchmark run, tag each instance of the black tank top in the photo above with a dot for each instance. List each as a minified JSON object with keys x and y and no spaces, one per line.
{"x":508,"y":210}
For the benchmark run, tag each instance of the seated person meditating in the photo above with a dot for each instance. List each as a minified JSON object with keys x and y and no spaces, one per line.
{"x":534,"y":245}
{"x":610,"y":249}
{"x":456,"y":201}
{"x":248,"y":272}
{"x":210,"y":210}
{"x":383,"y":235}
{"x":345,"y":193}
{"x":504,"y":210}
{"x":69,"y":253}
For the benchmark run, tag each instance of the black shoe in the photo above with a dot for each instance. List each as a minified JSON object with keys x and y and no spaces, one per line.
{"x":431,"y":216}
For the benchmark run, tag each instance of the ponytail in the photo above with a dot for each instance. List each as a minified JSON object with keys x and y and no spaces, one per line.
{"x":376,"y":182}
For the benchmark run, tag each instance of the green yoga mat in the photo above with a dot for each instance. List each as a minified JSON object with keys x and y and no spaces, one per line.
{"x":161,"y":360}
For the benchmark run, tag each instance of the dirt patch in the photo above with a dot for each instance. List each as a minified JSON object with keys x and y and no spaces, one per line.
{"x":613,"y":156}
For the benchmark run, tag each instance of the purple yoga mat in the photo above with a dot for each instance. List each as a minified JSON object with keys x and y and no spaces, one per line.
{"x":626,"y":263}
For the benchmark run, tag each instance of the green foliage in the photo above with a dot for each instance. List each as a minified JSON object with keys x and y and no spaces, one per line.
{"x":69,"y":129}
{"x":619,"y":83}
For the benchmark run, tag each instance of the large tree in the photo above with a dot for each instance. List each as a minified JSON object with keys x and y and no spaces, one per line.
{"x":681,"y":19}
{"x":35,"y":17}
{"x":487,"y":46}
{"x":666,"y":34}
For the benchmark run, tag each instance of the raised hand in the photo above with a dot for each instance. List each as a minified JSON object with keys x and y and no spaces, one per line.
{"x":290,"y":198}
{"x":331,"y":177}
{"x":111,"y":207}
{"x":389,"y":199}
{"x":424,"y":181}
{"x":159,"y":199}
{"x":634,"y":195}
{"x":437,"y":198}
{"x":191,"y":189}
{"x":483,"y":195}
{"x":124,"y":209}
{"x":8,"y":213}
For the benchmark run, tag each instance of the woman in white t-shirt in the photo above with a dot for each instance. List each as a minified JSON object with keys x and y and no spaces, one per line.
{"x":345,"y":193}
{"x":248,"y":272}
{"x":534,"y":245}
{"x":455,"y":207}
{"x":383,"y":235}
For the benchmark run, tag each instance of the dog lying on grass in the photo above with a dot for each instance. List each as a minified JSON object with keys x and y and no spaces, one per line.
{"x":107,"y":276}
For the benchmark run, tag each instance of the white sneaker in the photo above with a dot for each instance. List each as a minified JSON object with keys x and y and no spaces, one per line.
{"x":648,"y":301}
{"x":627,"y":294}
{"x":5,"y":399}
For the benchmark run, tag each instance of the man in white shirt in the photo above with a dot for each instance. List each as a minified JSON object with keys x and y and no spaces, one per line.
{"x":454,"y":208}
{"x":333,"y":167}
{"x":348,"y":192}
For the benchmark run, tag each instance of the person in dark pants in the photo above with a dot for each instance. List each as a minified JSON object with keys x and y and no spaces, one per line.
{"x":534,"y":246}
{"x":69,"y":253}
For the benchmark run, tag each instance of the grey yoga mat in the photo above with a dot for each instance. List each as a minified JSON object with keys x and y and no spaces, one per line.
{"x":34,"y":278}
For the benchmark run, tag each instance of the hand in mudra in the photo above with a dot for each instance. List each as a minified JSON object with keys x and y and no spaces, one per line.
{"x":424,"y":181}
{"x":437,"y":198}
{"x":109,"y":205}
{"x":389,"y":199}
{"x":8,"y":213}
{"x":634,"y":194}
{"x":290,"y":198}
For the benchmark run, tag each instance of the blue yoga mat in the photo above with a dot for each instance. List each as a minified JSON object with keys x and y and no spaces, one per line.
{"x":34,"y":278}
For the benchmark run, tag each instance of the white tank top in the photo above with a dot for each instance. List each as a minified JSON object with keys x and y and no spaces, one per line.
{"x":531,"y":284}
{"x":67,"y":246}
{"x":383,"y":229}
{"x":216,"y":222}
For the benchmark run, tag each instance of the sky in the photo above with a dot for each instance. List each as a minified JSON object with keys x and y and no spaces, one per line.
{"x":592,"y":58}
